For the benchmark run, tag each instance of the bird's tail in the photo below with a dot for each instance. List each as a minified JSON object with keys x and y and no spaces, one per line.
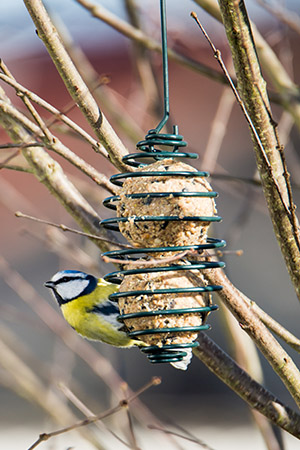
{"x":183,"y":365}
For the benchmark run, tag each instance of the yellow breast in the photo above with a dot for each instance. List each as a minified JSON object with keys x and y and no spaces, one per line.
{"x":78,"y":313}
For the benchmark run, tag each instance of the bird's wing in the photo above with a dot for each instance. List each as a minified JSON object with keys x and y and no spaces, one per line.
{"x":109,"y":311}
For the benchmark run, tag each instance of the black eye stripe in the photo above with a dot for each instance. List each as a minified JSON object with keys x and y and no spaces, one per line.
{"x":66,"y":279}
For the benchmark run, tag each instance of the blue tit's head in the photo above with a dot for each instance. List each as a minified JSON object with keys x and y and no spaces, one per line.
{"x":67,"y":285}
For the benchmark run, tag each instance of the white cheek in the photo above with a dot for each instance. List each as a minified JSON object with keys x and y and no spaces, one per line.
{"x":72,"y":289}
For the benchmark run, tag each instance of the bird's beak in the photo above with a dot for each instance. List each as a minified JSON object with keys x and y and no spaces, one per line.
{"x":49,"y":284}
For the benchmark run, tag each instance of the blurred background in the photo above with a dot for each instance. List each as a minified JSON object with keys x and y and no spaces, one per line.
{"x":31,"y":253}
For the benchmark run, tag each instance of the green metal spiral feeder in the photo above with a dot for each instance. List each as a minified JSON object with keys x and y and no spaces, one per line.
{"x":164,"y":208}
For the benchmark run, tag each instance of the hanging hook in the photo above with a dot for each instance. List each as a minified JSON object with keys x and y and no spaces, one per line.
{"x":164,"y":47}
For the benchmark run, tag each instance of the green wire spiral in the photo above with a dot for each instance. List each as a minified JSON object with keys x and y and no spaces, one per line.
{"x":149,"y":151}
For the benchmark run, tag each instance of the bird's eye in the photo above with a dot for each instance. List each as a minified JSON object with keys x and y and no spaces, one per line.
{"x":64,"y":279}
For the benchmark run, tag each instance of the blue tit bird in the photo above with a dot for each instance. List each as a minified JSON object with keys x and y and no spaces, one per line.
{"x":84,"y":303}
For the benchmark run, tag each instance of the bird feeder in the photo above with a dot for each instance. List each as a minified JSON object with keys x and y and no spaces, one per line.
{"x":164,"y":208}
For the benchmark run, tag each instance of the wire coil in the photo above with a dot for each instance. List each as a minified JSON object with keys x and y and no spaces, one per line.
{"x":148,"y":150}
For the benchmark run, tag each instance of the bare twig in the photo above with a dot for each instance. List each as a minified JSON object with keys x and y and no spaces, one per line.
{"x":9,"y":158}
{"x":218,"y":130}
{"x":288,"y":91}
{"x":281,"y":362}
{"x":194,"y":440}
{"x":75,"y":84}
{"x":217,"y":55}
{"x":133,"y":441}
{"x":248,"y":389}
{"x":46,"y":436}
{"x":72,"y":230}
{"x":123,"y":404}
{"x":151,"y":262}
{"x":269,"y":161}
{"x":58,"y":114}
{"x":289,"y":18}
{"x":16,"y":168}
{"x":55,"y":144}
{"x":87,"y":412}
{"x":25,"y":381}
{"x":137,"y":35}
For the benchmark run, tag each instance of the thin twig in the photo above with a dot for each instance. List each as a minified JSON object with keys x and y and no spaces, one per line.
{"x":288,"y":91}
{"x":16,"y":168}
{"x":9,"y":79}
{"x":46,"y":436}
{"x":71,"y":230}
{"x":151,"y":262}
{"x":193,"y":439}
{"x":9,"y":158}
{"x":55,"y":145}
{"x":137,"y":35}
{"x":289,"y":18}
{"x":21,"y":145}
{"x":75,"y":84}
{"x":89,"y":420}
{"x":133,"y":441}
{"x":269,"y":162}
{"x":217,"y":55}
{"x":87,"y":412}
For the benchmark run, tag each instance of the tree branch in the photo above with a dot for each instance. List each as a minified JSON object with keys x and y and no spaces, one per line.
{"x":75,"y":84}
{"x":49,"y":172}
{"x":288,"y":91}
{"x":252,"y":89}
{"x":248,"y":389}
{"x":58,"y":115}
{"x":281,"y":362}
{"x":54,"y":144}
{"x":137,"y":35}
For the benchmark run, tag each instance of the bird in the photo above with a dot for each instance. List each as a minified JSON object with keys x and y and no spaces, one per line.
{"x":85,"y":304}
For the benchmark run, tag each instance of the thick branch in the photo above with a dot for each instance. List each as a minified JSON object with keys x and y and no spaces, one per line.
{"x":55,"y":144}
{"x":280,"y":361}
{"x":50,"y":173}
{"x":288,"y":91}
{"x":21,"y":90}
{"x":252,"y":89}
{"x":248,"y":389}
